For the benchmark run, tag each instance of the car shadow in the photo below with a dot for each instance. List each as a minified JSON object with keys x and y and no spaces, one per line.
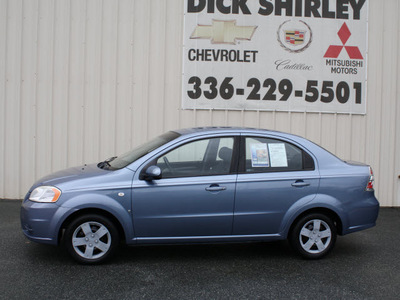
{"x":170,"y":253}
{"x":252,"y":251}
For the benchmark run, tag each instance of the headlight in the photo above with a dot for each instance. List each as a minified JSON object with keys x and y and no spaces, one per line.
{"x":45,"y":194}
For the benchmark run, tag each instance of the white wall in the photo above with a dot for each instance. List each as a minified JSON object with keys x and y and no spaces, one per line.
{"x":82,"y":80}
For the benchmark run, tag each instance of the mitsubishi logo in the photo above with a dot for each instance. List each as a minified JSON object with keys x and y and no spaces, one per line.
{"x":223,"y":32}
{"x":334,"y":50}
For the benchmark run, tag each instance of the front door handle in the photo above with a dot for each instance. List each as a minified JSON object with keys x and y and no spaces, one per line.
{"x":215,"y":188}
{"x":300,"y":183}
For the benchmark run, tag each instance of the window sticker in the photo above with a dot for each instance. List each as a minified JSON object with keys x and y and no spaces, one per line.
{"x":277,"y":154}
{"x":259,"y":155}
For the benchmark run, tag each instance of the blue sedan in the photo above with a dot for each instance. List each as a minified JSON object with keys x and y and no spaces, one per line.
{"x":204,"y":185}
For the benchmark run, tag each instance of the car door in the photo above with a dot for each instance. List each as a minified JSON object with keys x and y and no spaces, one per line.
{"x":274,"y":176}
{"x":195,"y":195}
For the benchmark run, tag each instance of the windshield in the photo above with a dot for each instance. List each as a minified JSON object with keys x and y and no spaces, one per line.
{"x":125,"y":159}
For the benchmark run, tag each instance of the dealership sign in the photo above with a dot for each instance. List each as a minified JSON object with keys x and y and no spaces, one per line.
{"x":285,"y":55}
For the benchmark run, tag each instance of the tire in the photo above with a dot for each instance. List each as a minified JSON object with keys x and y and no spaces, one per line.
{"x":91,"y":239}
{"x":313,"y":236}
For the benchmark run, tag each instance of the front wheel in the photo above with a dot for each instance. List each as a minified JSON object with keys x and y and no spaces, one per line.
{"x":313,"y":236}
{"x":91,"y":238}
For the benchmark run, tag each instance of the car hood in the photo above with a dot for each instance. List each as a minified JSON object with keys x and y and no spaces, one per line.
{"x":71,"y":174}
{"x":86,"y":176}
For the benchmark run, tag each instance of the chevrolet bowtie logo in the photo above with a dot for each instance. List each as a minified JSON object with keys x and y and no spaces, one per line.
{"x":223,"y":32}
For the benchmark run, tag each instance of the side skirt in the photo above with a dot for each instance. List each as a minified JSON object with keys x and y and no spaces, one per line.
{"x":206,"y":239}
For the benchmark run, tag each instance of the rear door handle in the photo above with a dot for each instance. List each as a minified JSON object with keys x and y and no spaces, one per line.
{"x":215,"y":188}
{"x":300,"y":183}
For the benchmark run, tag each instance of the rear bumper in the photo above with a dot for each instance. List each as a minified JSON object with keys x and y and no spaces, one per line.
{"x":363,"y":215}
{"x":359,"y":228}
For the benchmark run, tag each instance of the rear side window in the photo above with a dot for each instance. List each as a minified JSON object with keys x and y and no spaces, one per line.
{"x":271,"y":155}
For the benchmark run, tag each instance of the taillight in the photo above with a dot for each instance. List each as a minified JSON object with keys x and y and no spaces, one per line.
{"x":370,"y":184}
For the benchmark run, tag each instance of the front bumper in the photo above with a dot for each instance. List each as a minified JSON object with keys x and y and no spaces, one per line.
{"x":40,"y":222}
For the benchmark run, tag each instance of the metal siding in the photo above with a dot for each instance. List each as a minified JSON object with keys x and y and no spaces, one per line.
{"x":328,"y":132}
{"x":3,"y":76}
{"x":388,"y":97}
{"x":124,"y":76}
{"x":140,"y":67}
{"x":44,"y":87}
{"x":313,"y":127}
{"x":60,"y":95}
{"x":28,"y":94}
{"x":84,"y":80}
{"x":93,"y":54}
{"x":396,"y":186}
{"x":374,"y":92}
{"x":12,"y":92}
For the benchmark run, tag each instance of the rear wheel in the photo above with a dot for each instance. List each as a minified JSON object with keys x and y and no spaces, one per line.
{"x":313,"y":236}
{"x":91,"y":239}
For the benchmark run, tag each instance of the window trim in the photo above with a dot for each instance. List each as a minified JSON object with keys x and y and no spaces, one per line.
{"x":242,"y":156}
{"x":234,"y":161}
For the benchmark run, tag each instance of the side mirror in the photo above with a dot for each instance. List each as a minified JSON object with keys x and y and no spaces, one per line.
{"x":152,"y":172}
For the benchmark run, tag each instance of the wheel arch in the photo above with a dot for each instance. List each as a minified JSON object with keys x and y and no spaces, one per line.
{"x":86,"y":211}
{"x":322,"y":210}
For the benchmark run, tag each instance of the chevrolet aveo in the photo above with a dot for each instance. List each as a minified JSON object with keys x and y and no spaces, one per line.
{"x":204,"y":185}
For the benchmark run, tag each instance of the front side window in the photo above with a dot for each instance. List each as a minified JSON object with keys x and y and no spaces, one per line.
{"x":199,"y":158}
{"x":271,"y":155}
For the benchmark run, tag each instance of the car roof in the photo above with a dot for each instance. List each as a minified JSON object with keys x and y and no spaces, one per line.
{"x":219,"y":129}
{"x":197,"y":131}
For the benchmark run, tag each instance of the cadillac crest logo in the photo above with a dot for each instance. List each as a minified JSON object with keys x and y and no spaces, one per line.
{"x":294,"y":36}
